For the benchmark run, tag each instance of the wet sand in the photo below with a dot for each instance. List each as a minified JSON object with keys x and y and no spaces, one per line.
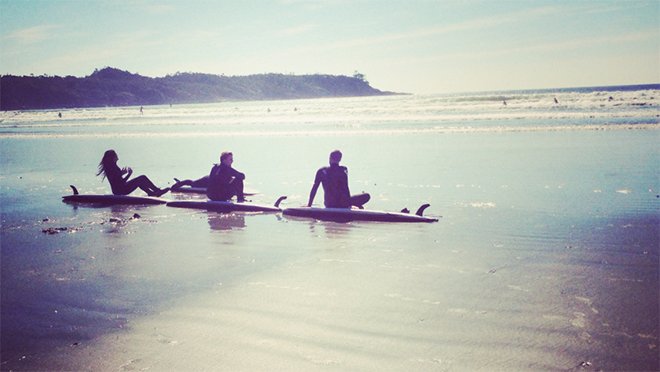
{"x":545,"y":258}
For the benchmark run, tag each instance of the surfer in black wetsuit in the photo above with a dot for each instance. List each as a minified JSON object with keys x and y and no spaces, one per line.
{"x":119,"y":184}
{"x":225,"y":181}
{"x":335,"y":186}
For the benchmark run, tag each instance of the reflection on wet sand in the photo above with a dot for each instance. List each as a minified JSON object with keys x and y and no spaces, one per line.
{"x":598,"y":281}
{"x":335,"y":230}
{"x":120,"y":217}
{"x":222,"y":221}
{"x":329,"y":230}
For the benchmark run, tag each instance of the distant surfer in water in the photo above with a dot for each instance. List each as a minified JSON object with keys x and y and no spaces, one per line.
{"x":224,"y":181}
{"x":335,"y":186}
{"x":121,"y":185}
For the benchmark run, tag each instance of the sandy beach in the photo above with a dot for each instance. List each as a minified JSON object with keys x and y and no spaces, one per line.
{"x":545,"y":256}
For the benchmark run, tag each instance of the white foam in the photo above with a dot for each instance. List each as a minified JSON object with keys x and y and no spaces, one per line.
{"x":397,"y":113}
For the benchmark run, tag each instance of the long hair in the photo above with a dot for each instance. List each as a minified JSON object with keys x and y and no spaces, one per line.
{"x":108,"y":159}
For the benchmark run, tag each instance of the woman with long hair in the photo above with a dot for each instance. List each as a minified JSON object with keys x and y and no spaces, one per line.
{"x":121,"y":185}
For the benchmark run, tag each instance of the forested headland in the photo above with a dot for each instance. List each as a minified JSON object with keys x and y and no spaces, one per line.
{"x":114,"y":87}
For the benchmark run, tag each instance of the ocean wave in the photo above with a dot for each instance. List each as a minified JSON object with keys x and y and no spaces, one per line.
{"x":344,"y":132}
{"x":536,"y":108}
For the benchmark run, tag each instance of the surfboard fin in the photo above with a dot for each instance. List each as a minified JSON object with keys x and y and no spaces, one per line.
{"x":421,"y":209}
{"x":277,"y":203}
{"x":75,"y":190}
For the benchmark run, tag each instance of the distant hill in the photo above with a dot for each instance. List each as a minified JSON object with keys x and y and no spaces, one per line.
{"x":113,"y":87}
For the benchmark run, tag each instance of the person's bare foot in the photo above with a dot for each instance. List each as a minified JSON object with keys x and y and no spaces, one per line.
{"x":161,"y":192}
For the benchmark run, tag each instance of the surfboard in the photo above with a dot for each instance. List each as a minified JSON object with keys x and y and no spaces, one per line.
{"x":109,"y":199}
{"x":190,"y":189}
{"x":202,"y":190}
{"x":227,"y":206}
{"x":348,"y":215}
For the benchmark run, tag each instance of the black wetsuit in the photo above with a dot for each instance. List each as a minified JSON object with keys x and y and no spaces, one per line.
{"x":114,"y":176}
{"x":224,"y":183}
{"x":121,"y":187}
{"x":335,"y":186}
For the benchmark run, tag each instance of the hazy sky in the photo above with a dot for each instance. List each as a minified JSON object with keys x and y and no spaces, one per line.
{"x":403,"y":46}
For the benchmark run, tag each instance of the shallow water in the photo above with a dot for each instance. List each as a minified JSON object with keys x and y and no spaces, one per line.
{"x":545,"y":256}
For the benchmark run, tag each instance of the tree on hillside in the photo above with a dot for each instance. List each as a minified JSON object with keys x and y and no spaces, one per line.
{"x":360,"y":76}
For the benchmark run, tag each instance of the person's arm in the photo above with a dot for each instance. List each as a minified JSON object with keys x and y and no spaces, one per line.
{"x":128,"y":172}
{"x":237,"y":174}
{"x":317,"y":182}
{"x":312,"y":194}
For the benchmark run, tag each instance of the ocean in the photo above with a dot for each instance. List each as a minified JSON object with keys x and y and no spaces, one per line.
{"x":545,"y":256}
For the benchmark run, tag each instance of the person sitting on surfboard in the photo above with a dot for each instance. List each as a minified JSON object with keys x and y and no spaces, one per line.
{"x":225,"y":181}
{"x":335,"y":186}
{"x":119,"y":184}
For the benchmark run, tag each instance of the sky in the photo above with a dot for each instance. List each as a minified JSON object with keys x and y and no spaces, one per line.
{"x":407,"y":46}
